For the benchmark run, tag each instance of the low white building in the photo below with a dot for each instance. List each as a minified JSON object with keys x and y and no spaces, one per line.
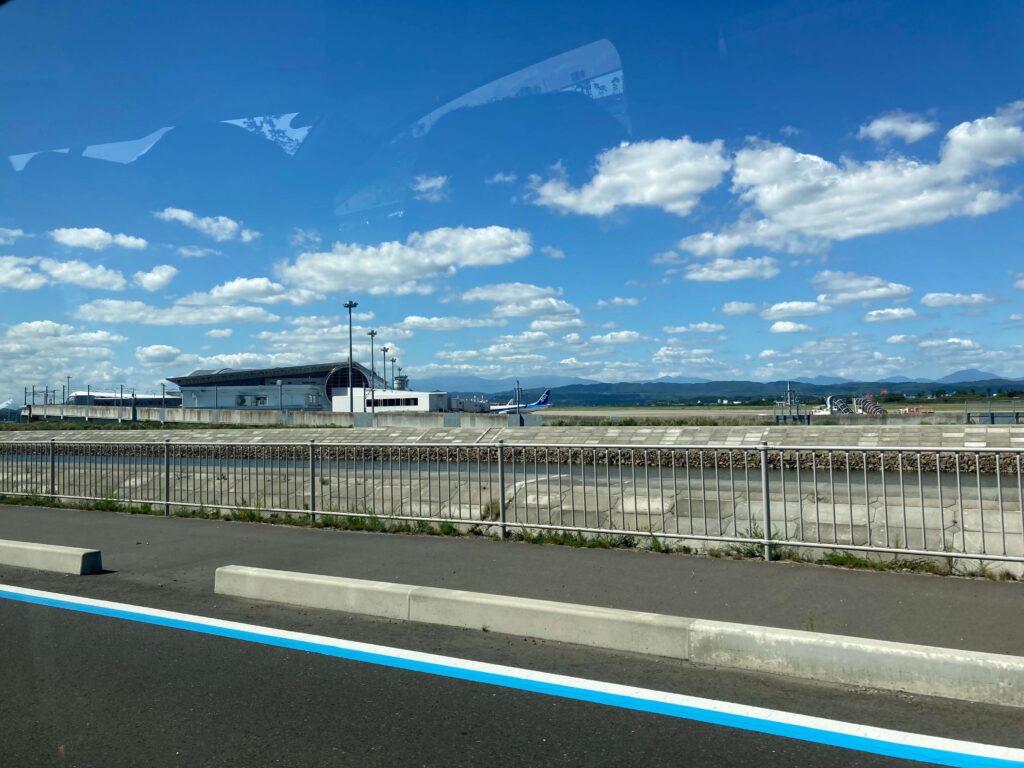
{"x":389,"y":401}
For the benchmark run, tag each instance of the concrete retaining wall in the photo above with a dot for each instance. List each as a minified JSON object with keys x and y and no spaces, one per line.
{"x":964,"y":675}
{"x":264,"y":418}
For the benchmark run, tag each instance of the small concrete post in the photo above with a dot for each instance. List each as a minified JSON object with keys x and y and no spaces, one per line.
{"x":766,"y":495}
{"x":312,"y":482}
{"x":167,"y":477}
{"x":53,"y":468}
{"x":502,"y":519}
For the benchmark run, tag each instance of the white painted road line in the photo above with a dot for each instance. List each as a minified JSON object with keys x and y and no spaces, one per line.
{"x":862,"y":738}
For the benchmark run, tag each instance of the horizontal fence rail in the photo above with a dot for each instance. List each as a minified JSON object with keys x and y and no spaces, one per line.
{"x":920,"y":501}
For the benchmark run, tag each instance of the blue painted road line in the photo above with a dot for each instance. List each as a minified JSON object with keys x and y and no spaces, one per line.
{"x":834,"y":733}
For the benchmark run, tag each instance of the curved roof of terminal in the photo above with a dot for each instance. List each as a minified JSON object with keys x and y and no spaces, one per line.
{"x":232,"y":375}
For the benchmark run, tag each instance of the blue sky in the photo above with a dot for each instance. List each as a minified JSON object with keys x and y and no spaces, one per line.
{"x":609,"y":191}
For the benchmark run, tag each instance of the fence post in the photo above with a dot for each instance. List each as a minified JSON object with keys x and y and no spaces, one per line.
{"x":766,"y":496}
{"x":53,"y":469}
{"x":312,"y":484}
{"x":502,"y":520}
{"x":167,"y":477}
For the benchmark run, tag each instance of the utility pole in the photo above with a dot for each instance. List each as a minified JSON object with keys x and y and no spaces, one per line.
{"x":350,"y":305}
{"x":384,"y":351}
{"x":373,"y":384}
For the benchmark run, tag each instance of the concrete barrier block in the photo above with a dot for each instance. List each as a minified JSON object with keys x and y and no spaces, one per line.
{"x":543,"y":619}
{"x":958,"y":674}
{"x":371,"y":598}
{"x":972,"y":676}
{"x":50,"y":557}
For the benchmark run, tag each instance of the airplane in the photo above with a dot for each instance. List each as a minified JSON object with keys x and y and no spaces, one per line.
{"x":512,"y":406}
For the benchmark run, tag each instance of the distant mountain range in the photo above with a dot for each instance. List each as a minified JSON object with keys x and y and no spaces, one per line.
{"x":968,"y":375}
{"x":482,"y":386}
{"x":573,"y":390}
{"x":666,"y":393}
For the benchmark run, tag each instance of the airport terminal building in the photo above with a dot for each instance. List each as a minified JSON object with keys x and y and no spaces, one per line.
{"x":300,"y":387}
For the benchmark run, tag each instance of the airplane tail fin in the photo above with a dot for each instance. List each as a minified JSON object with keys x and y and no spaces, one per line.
{"x":544,"y":398}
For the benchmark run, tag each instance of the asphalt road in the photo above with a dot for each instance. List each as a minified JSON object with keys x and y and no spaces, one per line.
{"x":182,"y":554}
{"x":83,"y":690}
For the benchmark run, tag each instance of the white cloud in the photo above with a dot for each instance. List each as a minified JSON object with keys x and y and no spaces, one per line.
{"x":844,"y":287}
{"x":8,"y":236}
{"x":118,"y":311}
{"x":667,"y":174}
{"x":955,"y":299}
{"x":1016,"y":317}
{"x":27,"y":274}
{"x":901,"y":338}
{"x":952,"y":343}
{"x":695,"y":328}
{"x":788,"y":326}
{"x":688,"y":361}
{"x":409,"y":267}
{"x":619,"y":337}
{"x":300,"y":237}
{"x":889,"y":314}
{"x":220,"y":228}
{"x":33,"y":351}
{"x":501,"y":293}
{"x":798,"y":202}
{"x":739,"y":308}
{"x":219,"y":333}
{"x":418,"y":323}
{"x":556,"y":325}
{"x":259,"y":290}
{"x":617,"y":301}
{"x":16,"y":273}
{"x":195,"y":252}
{"x":157,"y":353}
{"x":95,"y":239}
{"x":897,"y":125}
{"x":1019,"y":282}
{"x":432,"y":189}
{"x":501,"y":178}
{"x":851,"y":356}
{"x":157,"y":278}
{"x":522,"y":300}
{"x":85,"y":275}
{"x":785,"y":309}
{"x":721,"y":270}
{"x":553,"y":253}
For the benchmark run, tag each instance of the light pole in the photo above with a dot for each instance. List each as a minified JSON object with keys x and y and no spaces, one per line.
{"x":393,"y":361}
{"x":373,"y":384}
{"x":68,"y":395}
{"x":350,"y":305}
{"x":384,"y":351}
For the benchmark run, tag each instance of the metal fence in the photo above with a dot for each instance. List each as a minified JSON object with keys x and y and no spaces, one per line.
{"x":913,"y":501}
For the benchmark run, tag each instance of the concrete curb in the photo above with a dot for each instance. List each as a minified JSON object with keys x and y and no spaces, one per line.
{"x":50,"y":557}
{"x":965,"y":675}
